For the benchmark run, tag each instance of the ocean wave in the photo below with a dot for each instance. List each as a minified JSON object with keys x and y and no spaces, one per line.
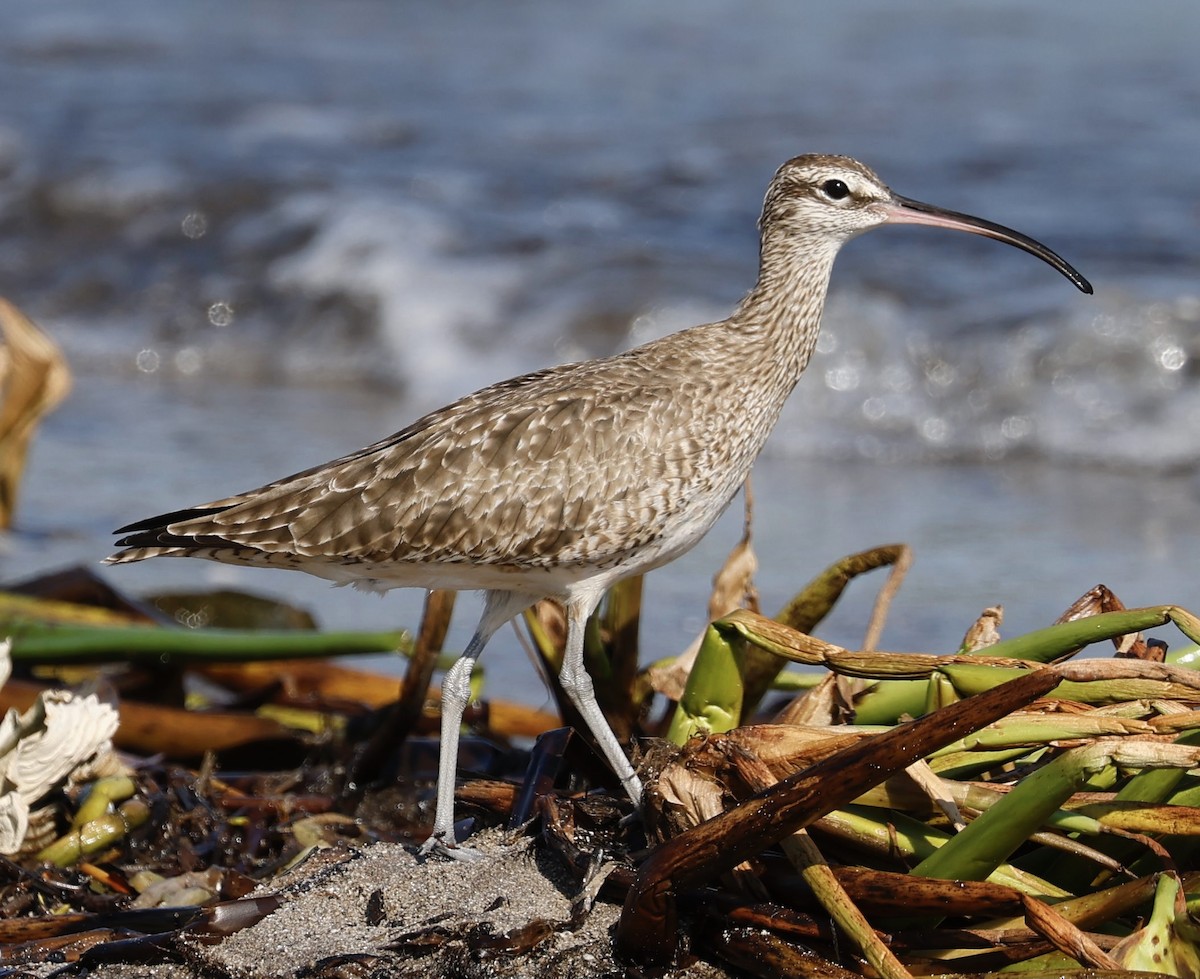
{"x":1110,"y":382}
{"x":351,"y":286}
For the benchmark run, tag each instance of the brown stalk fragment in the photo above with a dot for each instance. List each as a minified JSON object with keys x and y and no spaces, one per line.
{"x":819,"y":595}
{"x":884,"y":892}
{"x":401,"y":719}
{"x":1066,"y":937}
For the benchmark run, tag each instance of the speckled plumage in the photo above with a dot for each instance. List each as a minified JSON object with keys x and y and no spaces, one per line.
{"x":557,"y":483}
{"x":534,"y":475}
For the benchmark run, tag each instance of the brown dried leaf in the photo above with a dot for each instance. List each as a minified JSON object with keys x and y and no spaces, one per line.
{"x":35,"y":378}
{"x":695,"y":797}
{"x":671,"y":680}
{"x":984,"y":631}
{"x":733,"y":585}
{"x":1092,"y":602}
{"x":822,"y":704}
{"x":1103,"y":599}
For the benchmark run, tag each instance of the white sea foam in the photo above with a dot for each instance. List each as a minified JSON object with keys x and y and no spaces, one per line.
{"x":440,"y":314}
{"x":117,"y":193}
{"x":292,"y":121}
{"x":1106,"y":385}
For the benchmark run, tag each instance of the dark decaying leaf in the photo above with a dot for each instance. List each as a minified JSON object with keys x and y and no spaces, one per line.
{"x":762,"y":954}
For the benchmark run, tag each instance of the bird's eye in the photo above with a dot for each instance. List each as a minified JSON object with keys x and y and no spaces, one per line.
{"x":835,"y":190}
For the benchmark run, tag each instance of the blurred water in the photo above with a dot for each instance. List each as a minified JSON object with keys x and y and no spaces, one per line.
{"x":269,"y":232}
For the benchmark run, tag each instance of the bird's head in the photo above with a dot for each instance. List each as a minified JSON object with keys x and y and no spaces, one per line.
{"x":833,"y":198}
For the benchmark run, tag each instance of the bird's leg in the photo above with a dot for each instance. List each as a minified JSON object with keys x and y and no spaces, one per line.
{"x":498,"y":608}
{"x":578,"y":687}
{"x":456,"y":694}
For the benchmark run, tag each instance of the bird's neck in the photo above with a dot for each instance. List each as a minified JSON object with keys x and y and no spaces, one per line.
{"x":781,"y":315}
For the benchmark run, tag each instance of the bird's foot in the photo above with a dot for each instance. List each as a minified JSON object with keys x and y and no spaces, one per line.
{"x":495,"y":844}
{"x":444,"y":841}
{"x":438,"y":847}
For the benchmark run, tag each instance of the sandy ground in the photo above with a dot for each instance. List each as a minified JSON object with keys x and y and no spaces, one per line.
{"x":382,"y":911}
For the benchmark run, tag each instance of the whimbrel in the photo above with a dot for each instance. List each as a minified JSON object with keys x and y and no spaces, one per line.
{"x":561,"y":482}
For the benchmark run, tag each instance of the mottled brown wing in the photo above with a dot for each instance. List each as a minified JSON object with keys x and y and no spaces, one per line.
{"x":536,"y":470}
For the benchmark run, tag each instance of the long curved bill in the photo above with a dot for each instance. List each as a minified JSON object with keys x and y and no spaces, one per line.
{"x":902,"y":210}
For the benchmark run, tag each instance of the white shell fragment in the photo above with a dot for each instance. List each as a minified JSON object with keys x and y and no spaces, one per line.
{"x":14,"y":822}
{"x":43,"y":748}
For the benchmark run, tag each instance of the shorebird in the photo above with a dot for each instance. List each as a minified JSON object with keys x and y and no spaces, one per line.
{"x":561,"y":482}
